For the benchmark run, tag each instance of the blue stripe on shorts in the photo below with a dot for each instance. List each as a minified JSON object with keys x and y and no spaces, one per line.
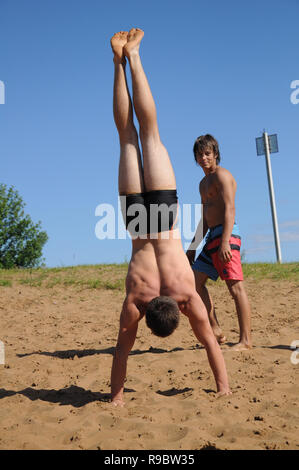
{"x":204,"y":262}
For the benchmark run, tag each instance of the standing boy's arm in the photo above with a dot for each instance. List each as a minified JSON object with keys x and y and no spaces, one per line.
{"x":226,"y":186}
{"x":200,"y":233}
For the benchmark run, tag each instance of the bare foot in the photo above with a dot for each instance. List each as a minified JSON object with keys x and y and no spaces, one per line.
{"x":219,"y":335}
{"x":133,"y":41}
{"x":221,"y":339}
{"x":118,"y":402}
{"x":117,"y":43}
{"x":241,"y":347}
{"x":223,"y":393}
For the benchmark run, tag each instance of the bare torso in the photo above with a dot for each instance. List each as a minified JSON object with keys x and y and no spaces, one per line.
{"x":212,"y":196}
{"x":159,"y":267}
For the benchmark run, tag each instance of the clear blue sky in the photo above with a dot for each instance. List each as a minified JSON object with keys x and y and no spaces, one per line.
{"x":219,"y":67}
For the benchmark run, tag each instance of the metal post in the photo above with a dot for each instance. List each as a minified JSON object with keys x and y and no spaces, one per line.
{"x":272,"y":198}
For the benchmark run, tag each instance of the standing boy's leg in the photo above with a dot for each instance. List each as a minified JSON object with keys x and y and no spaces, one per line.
{"x":239,"y":295}
{"x":200,"y":282}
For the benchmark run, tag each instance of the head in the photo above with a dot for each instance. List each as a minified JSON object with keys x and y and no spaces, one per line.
{"x":162,"y":316}
{"x":206,"y":146}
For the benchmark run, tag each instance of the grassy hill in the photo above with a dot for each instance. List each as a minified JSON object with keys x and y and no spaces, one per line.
{"x":112,"y":276}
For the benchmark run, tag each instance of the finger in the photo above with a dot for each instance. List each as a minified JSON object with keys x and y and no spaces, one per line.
{"x":226,"y":258}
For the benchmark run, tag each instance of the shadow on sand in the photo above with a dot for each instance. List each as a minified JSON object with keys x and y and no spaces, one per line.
{"x":73,"y":395}
{"x":174,"y":391}
{"x":70,"y":354}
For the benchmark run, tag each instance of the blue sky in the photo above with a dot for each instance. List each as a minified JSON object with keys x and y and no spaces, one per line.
{"x":219,"y":67}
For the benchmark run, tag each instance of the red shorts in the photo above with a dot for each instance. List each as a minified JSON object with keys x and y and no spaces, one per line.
{"x":209,"y":263}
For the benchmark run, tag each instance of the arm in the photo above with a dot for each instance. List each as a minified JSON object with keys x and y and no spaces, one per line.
{"x":226,"y":186}
{"x":201,"y":327}
{"x":200,"y":233}
{"x":126,"y":337}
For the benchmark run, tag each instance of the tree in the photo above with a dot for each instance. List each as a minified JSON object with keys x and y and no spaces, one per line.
{"x":21,"y":241}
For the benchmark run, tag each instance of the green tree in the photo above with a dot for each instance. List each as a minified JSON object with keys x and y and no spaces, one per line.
{"x":21,"y":241}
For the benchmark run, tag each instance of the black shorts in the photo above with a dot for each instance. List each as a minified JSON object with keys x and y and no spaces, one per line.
{"x":150,"y":212}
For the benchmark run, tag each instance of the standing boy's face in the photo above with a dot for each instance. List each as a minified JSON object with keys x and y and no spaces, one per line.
{"x":206,"y":158}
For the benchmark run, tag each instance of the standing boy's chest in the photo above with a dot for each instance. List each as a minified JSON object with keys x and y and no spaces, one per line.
{"x":208,"y":188}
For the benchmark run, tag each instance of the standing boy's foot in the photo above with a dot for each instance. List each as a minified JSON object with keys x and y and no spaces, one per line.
{"x":120,"y":403}
{"x":241,"y":346}
{"x":118,"y":42}
{"x":221,"y":338}
{"x":133,"y":41}
{"x":224,"y":393}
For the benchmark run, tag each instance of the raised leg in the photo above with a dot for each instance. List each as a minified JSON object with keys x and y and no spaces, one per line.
{"x":157,"y":168}
{"x":130,"y":175}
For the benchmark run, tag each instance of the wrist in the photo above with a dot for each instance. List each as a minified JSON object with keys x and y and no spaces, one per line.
{"x":119,"y":61}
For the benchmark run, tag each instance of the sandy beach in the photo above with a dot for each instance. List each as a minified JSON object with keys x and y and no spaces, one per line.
{"x":59,"y":341}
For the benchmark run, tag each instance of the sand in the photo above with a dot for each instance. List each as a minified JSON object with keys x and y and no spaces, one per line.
{"x":54,"y":385}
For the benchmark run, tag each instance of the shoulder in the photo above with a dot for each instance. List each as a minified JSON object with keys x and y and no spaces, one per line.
{"x":130,"y":314}
{"x":223,"y":172}
{"x":193,"y":308}
{"x":223,"y":176}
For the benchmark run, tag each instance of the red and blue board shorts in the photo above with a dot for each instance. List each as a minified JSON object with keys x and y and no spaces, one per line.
{"x":208,"y":261}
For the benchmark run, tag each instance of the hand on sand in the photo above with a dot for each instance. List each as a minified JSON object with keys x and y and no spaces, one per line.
{"x":117,"y":42}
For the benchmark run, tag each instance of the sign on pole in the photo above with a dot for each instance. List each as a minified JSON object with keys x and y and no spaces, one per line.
{"x":264,"y":146}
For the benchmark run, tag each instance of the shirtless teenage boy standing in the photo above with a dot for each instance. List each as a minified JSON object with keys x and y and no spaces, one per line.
{"x":160,"y":281}
{"x":220,"y":255}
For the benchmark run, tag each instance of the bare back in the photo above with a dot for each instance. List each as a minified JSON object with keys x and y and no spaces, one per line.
{"x":159,"y":267}
{"x":143,"y":280}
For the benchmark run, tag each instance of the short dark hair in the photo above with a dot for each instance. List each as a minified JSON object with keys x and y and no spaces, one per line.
{"x":206,"y":141}
{"x":162,"y":316}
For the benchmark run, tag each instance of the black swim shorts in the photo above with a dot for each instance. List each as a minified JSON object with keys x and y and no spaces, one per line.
{"x":150,"y":212}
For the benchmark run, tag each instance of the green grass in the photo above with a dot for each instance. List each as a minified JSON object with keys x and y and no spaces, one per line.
{"x":103,"y":276}
{"x":112,"y":276}
{"x":284,"y":271}
{"x":5,"y":283}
